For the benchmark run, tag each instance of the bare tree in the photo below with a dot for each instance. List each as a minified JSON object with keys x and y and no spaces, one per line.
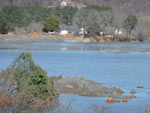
{"x":64,"y":108}
{"x":90,"y":20}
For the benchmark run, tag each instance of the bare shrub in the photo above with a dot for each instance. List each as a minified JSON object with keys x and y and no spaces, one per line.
{"x":64,"y":108}
{"x":89,"y":19}
{"x":101,"y":109}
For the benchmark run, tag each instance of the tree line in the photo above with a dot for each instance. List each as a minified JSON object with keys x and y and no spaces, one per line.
{"x":18,"y":16}
{"x":93,"y":19}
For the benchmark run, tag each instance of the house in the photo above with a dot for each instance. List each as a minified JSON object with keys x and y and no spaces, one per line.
{"x":81,"y":32}
{"x":64,"y":32}
{"x":66,"y":3}
{"x":74,"y":32}
{"x":72,"y":3}
{"x":63,"y":3}
{"x":101,"y":33}
{"x":119,"y":32}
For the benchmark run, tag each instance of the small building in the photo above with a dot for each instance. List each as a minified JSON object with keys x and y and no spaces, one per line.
{"x":64,"y":32}
{"x":101,"y":34}
{"x":63,"y":3}
{"x":72,"y":3}
{"x":66,"y":3}
{"x":119,"y":32}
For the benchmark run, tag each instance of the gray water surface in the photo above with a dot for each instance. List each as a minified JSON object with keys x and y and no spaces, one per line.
{"x":122,"y":70}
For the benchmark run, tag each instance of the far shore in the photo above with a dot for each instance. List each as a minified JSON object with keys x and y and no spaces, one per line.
{"x":42,"y":38}
{"x":46,"y":38}
{"x":25,"y":42}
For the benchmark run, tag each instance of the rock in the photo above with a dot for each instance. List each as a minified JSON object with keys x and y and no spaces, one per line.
{"x":60,"y":76}
{"x":133,"y":92}
{"x":117,"y":101}
{"x":69,"y":86}
{"x":128,"y":96}
{"x":84,"y":87}
{"x":119,"y":62}
{"x":140,"y":86}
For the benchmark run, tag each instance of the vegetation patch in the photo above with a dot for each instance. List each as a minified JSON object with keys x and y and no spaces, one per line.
{"x":17,"y":16}
{"x":52,"y":24}
{"x":29,"y":83}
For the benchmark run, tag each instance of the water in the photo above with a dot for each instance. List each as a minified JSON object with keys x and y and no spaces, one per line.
{"x":122,"y":70}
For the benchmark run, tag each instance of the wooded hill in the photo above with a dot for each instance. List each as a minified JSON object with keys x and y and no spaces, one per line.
{"x":126,"y":5}
{"x":121,"y":8}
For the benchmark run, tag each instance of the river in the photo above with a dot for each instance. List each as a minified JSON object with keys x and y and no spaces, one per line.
{"x":122,"y":65}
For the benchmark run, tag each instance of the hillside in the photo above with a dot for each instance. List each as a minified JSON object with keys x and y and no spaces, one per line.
{"x":125,"y":6}
{"x":136,"y":5}
{"x":121,"y":8}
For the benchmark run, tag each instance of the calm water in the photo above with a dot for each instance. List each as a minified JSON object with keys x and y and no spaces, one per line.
{"x":125,"y":71}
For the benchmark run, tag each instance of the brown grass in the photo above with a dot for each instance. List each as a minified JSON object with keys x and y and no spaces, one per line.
{"x":68,"y":35}
{"x":6,"y":101}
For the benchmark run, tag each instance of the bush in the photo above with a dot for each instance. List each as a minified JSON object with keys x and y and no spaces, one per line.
{"x":31,"y":79}
{"x":4,"y":28}
{"x":39,"y":83}
{"x":52,"y":24}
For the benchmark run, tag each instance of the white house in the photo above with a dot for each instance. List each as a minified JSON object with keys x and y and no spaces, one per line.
{"x":119,"y":32}
{"x":63,"y":4}
{"x":64,"y":32}
{"x":66,"y":3}
{"x":81,"y":31}
{"x":72,"y":3}
{"x":101,"y":33}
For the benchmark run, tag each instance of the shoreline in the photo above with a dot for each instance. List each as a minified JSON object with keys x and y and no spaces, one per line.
{"x":60,"y":43}
{"x":46,"y":38}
